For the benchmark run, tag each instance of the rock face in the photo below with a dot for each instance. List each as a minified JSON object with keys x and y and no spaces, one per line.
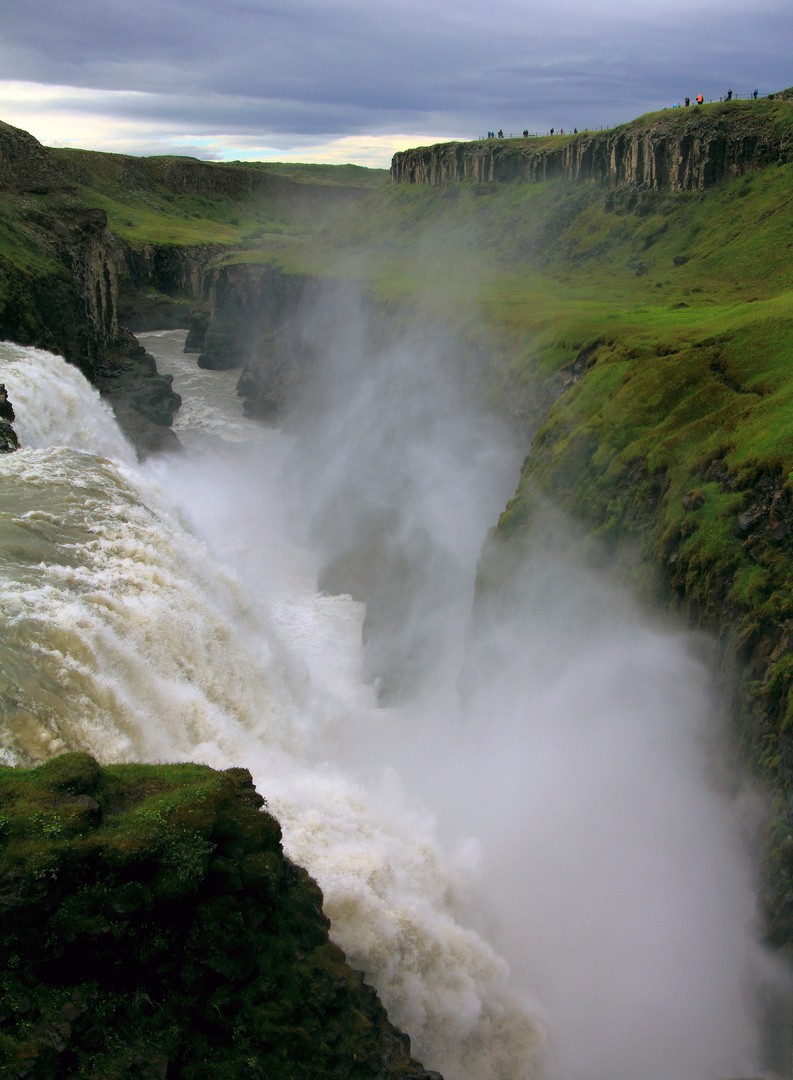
{"x":690,"y":150}
{"x":67,"y":299}
{"x":27,"y":166}
{"x":68,"y":305}
{"x":144,"y":402}
{"x":253,"y":323}
{"x":152,"y":927}
{"x":8,"y":437}
{"x":151,"y":277}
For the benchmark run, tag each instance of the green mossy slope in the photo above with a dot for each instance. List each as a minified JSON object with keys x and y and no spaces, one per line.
{"x":183,"y":201}
{"x":151,"y":924}
{"x":658,"y":327}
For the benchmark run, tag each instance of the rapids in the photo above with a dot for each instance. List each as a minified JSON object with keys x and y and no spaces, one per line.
{"x":547,"y":882}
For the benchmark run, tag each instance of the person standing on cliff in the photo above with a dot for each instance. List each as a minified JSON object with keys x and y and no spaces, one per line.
{"x":500,"y":133}
{"x":700,"y":99}
{"x":729,"y":95}
{"x":688,"y":102}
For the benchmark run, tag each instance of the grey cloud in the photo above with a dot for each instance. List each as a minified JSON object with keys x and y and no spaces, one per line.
{"x":312,"y":67}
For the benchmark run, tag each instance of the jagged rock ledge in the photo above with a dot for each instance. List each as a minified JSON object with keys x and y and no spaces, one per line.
{"x":8,"y":437}
{"x":686,"y":150}
{"x":151,"y":926}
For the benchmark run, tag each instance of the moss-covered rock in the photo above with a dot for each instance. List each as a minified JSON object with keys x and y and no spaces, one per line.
{"x":152,"y":926}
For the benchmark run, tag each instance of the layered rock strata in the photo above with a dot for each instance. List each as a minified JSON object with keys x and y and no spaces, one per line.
{"x":700,"y":148}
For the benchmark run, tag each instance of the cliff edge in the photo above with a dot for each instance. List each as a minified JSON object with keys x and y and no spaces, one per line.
{"x":687,"y":149}
{"x":152,"y":926}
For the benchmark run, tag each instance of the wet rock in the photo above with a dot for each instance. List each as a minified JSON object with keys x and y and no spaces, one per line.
{"x":143,"y":400}
{"x":196,"y":334}
{"x":147,"y":438}
{"x":6,"y":408}
{"x":8,"y":437}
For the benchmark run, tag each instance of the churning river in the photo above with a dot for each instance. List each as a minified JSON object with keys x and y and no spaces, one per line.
{"x":544,"y":880}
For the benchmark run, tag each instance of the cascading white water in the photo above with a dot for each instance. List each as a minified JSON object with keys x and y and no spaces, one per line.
{"x":56,"y":407}
{"x":123,"y":637}
{"x":165,"y":613}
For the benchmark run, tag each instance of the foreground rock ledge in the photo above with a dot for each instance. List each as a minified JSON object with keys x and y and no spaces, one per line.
{"x":151,"y":926}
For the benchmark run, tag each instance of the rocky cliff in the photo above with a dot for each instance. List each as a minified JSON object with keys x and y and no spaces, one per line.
{"x":8,"y":437}
{"x":680,"y":150}
{"x":248,"y":305}
{"x":152,"y":926}
{"x":71,"y":283}
{"x":59,"y":286}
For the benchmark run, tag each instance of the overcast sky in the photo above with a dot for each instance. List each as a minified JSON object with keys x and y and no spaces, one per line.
{"x":353,"y":80}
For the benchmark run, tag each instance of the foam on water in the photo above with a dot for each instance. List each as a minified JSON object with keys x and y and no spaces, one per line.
{"x":55,"y":406}
{"x":123,"y":635}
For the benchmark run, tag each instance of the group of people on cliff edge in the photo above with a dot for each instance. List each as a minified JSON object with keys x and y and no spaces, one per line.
{"x":500,"y":134}
{"x":700,"y":99}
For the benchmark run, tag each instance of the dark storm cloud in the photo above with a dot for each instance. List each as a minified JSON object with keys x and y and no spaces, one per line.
{"x":250,"y":67}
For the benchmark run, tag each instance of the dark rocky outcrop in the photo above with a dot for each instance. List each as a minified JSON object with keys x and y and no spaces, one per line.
{"x":197,"y":331}
{"x":8,"y":437}
{"x":253,"y":323}
{"x":143,"y":401}
{"x":67,"y":301}
{"x":160,"y":283}
{"x":27,"y":166}
{"x":152,"y":927}
{"x":689,"y":151}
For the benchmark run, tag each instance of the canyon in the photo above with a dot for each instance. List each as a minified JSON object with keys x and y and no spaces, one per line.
{"x":620,"y":299}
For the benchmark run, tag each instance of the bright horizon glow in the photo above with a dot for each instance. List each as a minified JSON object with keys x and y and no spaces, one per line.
{"x":342,"y":80}
{"x":81,"y":118}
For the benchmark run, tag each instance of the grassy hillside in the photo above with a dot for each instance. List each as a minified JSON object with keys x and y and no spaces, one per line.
{"x":149,"y":200}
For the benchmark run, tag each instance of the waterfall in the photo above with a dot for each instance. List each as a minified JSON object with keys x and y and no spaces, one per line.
{"x":55,"y":406}
{"x":553,"y":860}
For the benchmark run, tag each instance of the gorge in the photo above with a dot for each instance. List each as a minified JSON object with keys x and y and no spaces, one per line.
{"x":553,"y":781}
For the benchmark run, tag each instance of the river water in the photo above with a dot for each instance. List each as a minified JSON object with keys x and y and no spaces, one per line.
{"x":545,"y":881}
